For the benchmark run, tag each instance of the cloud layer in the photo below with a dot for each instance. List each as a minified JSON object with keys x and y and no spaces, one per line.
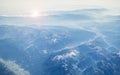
{"x":23,"y":7}
{"x":14,"y":68}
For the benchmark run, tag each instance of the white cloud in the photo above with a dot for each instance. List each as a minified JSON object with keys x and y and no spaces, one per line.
{"x":118,"y":53}
{"x":70,"y":54}
{"x":15,"y":68}
{"x":21,"y":7}
{"x":45,"y":51}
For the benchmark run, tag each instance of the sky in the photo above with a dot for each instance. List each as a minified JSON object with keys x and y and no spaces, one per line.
{"x":35,"y":7}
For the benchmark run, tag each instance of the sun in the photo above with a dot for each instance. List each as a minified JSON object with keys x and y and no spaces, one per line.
{"x":34,"y":13}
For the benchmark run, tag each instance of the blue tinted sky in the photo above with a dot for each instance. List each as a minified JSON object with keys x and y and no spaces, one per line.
{"x":24,"y":7}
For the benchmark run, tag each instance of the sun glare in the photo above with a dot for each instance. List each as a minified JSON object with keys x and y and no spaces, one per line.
{"x":34,"y":14}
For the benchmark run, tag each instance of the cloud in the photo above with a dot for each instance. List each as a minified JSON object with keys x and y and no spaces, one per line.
{"x":71,"y":18}
{"x":22,"y":7}
{"x":15,"y":68}
{"x":70,"y":54}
